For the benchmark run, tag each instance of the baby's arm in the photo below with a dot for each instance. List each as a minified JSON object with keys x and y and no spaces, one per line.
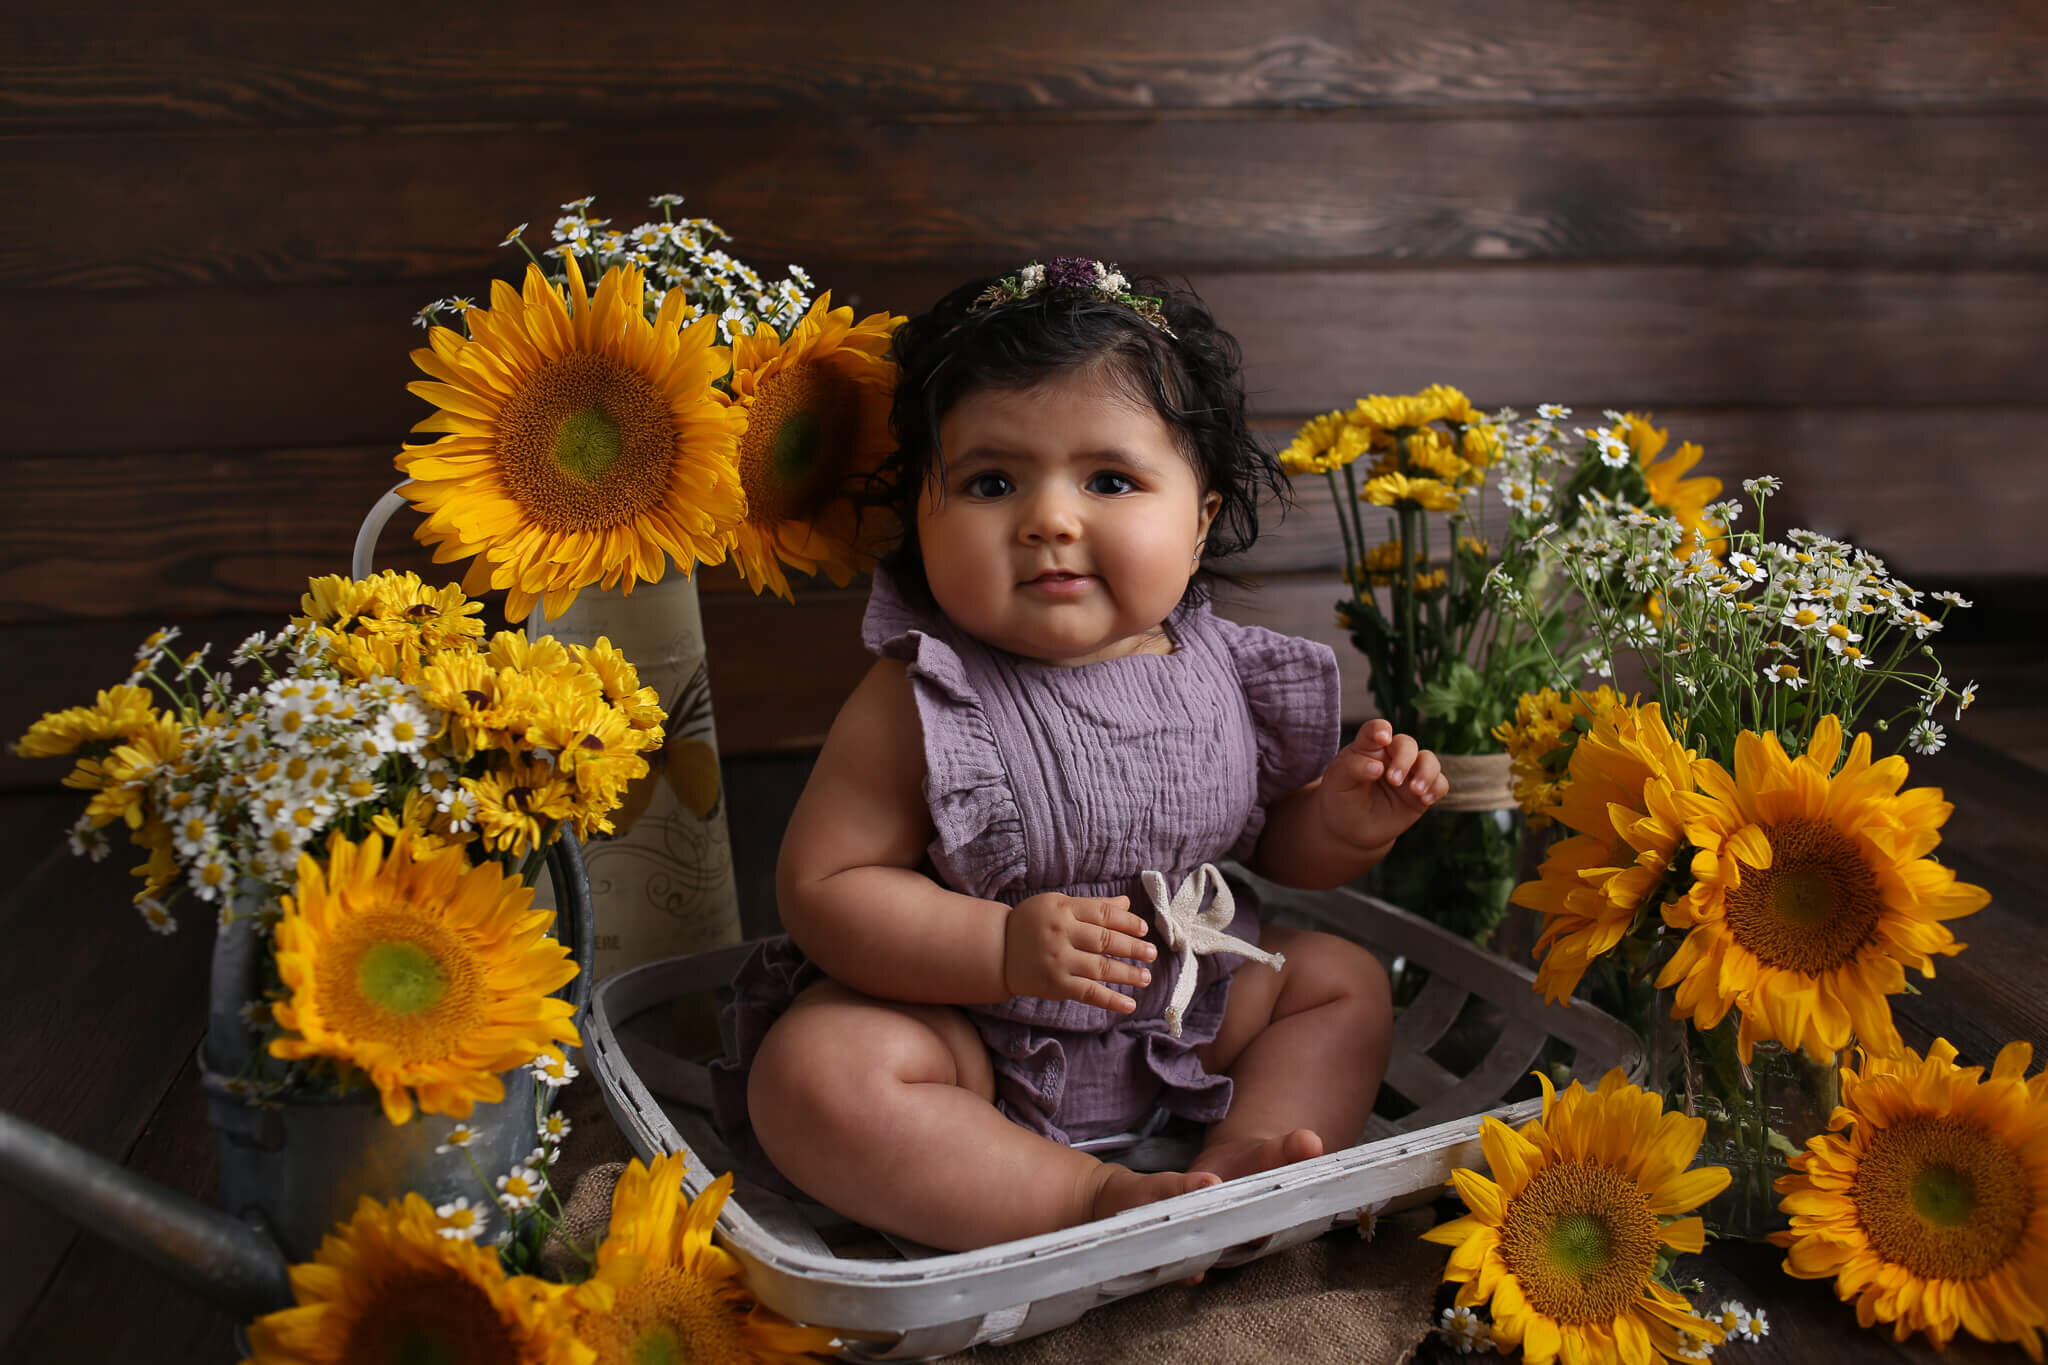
{"x":851,"y":897}
{"x":1343,"y":822}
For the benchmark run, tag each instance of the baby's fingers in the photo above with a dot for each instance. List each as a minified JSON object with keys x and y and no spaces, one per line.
{"x":1108,"y":927}
{"x":1099,"y":995}
{"x":1426,"y":782}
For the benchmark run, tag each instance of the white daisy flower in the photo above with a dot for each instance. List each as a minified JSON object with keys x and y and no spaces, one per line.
{"x":256,"y":1014}
{"x":555,"y":1128}
{"x":1965,"y":699}
{"x":1762,"y":486}
{"x":1786,"y":674}
{"x":1614,"y":451}
{"x":1552,"y":412}
{"x":518,"y":1189}
{"x":1840,"y":637}
{"x":542,"y":1157}
{"x":1802,"y":617}
{"x":211,"y":876}
{"x":460,"y":1221}
{"x":554,"y":1069}
{"x":1754,"y":1327}
{"x":156,"y":916}
{"x":1464,"y":1331}
{"x":403,"y":729}
{"x":580,"y":205}
{"x":461,"y":1135}
{"x":1953,"y":599}
{"x":1927,"y":737}
{"x":194,"y":834}
{"x":157,"y":643}
{"x":1694,"y":1348}
{"x":1742,"y":566}
{"x":88,"y":842}
{"x":1853,"y":656}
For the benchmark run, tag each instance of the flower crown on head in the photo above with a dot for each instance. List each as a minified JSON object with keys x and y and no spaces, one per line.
{"x":1073,"y":275}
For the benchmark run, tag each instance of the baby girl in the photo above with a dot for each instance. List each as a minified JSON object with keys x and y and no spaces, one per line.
{"x":976,"y":975}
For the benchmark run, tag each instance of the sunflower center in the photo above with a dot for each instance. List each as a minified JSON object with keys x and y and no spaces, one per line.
{"x":403,"y":981}
{"x":587,"y":442}
{"x":802,"y":433}
{"x":669,"y":1317}
{"x":1814,"y":907}
{"x":1942,"y":1197}
{"x":1581,"y":1241}
{"x":402,"y":977}
{"x":428,"y":1319}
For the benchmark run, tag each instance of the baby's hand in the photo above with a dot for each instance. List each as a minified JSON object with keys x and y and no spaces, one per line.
{"x":1065,"y":947}
{"x":1378,"y":785}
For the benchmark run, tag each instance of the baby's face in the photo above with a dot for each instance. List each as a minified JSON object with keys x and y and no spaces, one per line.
{"x":1068,"y":525}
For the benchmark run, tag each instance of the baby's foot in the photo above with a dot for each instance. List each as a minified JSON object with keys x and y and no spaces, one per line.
{"x":1248,"y":1156}
{"x":1123,"y":1188}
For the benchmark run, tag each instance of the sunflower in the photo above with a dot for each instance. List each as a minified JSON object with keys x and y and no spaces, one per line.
{"x":584,"y":444}
{"x":1811,"y":896}
{"x":429,"y":974}
{"x":1927,"y":1203}
{"x":1565,"y":1245}
{"x":1626,"y":778}
{"x":817,"y":425}
{"x":386,"y":1288}
{"x":663,"y":1292}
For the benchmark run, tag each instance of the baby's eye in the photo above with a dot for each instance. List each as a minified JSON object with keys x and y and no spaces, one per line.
{"x":1111,"y":482}
{"x":986,"y":485}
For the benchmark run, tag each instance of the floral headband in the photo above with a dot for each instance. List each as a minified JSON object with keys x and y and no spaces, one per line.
{"x":1073,"y":275}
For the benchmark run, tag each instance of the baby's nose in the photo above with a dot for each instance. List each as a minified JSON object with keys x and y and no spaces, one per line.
{"x":1049,"y":518}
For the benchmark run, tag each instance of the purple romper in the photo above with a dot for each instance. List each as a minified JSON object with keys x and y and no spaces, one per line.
{"x":1044,"y":778}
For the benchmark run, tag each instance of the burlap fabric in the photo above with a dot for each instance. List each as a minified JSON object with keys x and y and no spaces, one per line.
{"x":1339,"y":1298}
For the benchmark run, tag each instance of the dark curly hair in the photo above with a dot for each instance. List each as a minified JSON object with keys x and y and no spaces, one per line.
{"x":1191,"y":379}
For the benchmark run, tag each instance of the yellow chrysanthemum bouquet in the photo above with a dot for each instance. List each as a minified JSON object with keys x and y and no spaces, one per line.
{"x":372,"y":798}
{"x":1732,"y":843}
{"x":688,"y":410}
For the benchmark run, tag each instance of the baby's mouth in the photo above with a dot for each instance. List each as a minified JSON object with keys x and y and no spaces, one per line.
{"x":1059,"y":581}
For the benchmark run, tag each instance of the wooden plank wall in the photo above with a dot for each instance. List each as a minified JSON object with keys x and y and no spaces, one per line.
{"x":1814,"y":237}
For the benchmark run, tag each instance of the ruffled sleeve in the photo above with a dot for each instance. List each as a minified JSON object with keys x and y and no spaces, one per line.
{"x":1290,"y":686}
{"x":978,"y":832}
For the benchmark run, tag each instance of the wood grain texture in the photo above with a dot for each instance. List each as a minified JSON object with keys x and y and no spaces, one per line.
{"x":182,"y":535}
{"x":101,"y":66}
{"x":100,"y":1298}
{"x":225,"y":369}
{"x":299,"y":206}
{"x":100,"y":1015}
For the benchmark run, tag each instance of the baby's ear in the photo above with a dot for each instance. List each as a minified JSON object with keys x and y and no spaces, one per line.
{"x":1212,"y":503}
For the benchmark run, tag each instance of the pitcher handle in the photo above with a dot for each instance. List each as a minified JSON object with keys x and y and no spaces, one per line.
{"x":363,"y":562}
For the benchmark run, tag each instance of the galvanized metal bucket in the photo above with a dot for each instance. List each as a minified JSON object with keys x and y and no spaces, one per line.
{"x":296,"y":1165}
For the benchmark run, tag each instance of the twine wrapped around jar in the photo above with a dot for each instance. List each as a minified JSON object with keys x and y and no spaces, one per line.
{"x":1478,"y":782}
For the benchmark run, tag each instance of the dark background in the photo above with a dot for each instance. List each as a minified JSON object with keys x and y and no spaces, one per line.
{"x":1811,"y":236}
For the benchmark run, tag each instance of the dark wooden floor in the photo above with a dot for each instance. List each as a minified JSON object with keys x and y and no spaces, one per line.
{"x":99,"y":1020}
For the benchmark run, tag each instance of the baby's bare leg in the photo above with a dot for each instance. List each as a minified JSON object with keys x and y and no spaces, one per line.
{"x":884,"y":1111}
{"x":1304,"y":1047}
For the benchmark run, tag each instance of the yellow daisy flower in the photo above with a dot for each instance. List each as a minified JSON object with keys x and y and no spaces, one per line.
{"x":516,"y":803}
{"x":1538,"y":731}
{"x":1437,"y":403}
{"x":430,"y":975}
{"x":1428,"y":451}
{"x":1324,"y":443}
{"x":1625,"y":779}
{"x":620,"y":683}
{"x":117,"y":713}
{"x":1927,"y":1202}
{"x":1389,"y":490}
{"x":817,"y":426}
{"x":1563,"y":1241}
{"x":386,"y":1286}
{"x":663,"y":1291}
{"x":583,"y":443}
{"x":1812,"y":894}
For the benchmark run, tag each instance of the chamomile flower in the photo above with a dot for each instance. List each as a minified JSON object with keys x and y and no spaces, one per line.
{"x":519,"y":1188}
{"x":403,"y":729}
{"x":542,"y":1157}
{"x":87,"y":841}
{"x":1926,"y":737}
{"x":1953,"y":599}
{"x":1763,"y":486}
{"x":156,"y":644}
{"x":156,"y":916}
{"x":1787,"y":675}
{"x":255,"y":1014}
{"x":1965,"y":699}
{"x":1691,"y":1347}
{"x":1739,"y":1323}
{"x":1552,"y":412}
{"x":1464,"y":1331}
{"x":1840,"y":637}
{"x":211,"y":876}
{"x":553,"y":1069}
{"x":555,"y":1128}
{"x":460,"y":1136}
{"x":460,"y":1220}
{"x":1802,"y":617}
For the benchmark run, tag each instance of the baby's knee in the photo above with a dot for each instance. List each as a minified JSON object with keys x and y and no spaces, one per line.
{"x":1347,"y":974}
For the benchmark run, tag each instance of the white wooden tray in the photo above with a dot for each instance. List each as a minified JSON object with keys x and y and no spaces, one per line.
{"x":918,"y":1303}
